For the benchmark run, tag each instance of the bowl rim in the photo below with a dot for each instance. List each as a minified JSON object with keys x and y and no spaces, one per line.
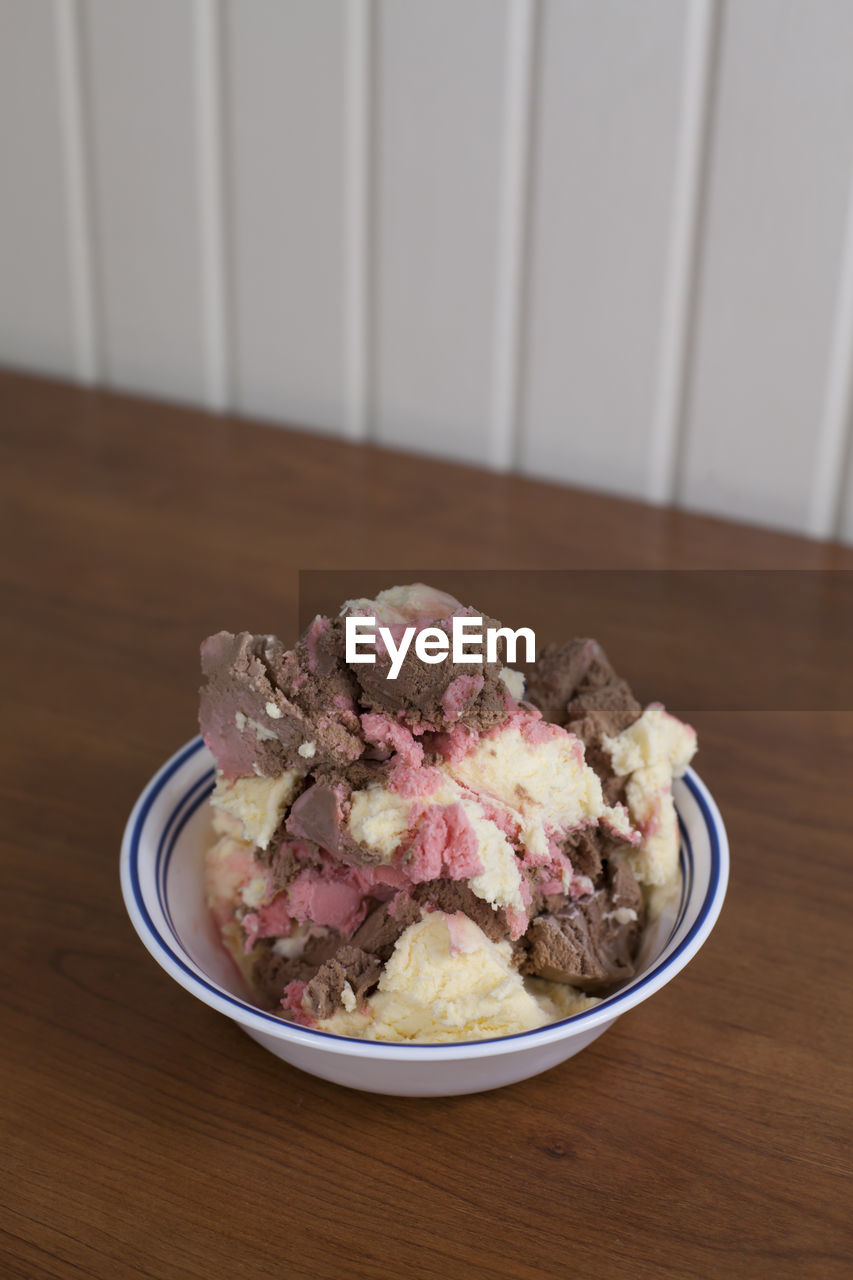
{"x":266,"y":1024}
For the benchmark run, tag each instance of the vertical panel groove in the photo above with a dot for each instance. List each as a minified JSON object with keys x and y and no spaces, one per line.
{"x":441,"y":72}
{"x":513,"y":232}
{"x":832,"y":446}
{"x":772,"y":246}
{"x":207,"y":51}
{"x":358,"y":152}
{"x":666,"y":446}
{"x":76,"y":158}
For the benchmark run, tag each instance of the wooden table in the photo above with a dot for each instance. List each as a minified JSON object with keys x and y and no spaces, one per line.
{"x":707,"y":1134}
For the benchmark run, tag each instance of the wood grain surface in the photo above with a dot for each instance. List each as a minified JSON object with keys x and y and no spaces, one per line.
{"x":707,"y":1134}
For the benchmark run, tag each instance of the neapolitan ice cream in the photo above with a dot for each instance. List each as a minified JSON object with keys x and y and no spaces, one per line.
{"x":451,"y":852}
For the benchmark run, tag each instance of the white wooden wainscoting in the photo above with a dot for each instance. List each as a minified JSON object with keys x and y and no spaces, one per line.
{"x":604,"y":241}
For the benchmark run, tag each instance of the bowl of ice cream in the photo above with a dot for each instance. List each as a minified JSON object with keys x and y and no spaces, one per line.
{"x":415,"y":879}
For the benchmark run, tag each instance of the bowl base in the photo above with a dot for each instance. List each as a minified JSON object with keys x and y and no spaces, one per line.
{"x":425,"y":1078}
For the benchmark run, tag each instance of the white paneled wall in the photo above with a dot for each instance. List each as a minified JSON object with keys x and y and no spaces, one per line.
{"x":287,"y":96}
{"x":606,"y":242}
{"x":609,"y":97}
{"x":438,"y":160}
{"x":764,"y":432}
{"x":137,"y":62}
{"x":36,"y":302}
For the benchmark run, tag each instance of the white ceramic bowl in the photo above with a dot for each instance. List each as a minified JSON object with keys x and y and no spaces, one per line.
{"x":161,"y":876}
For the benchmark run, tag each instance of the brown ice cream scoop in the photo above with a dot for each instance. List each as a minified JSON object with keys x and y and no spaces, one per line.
{"x":262,"y":709}
{"x":561,"y":671}
{"x":349,"y":965}
{"x":593,"y":714}
{"x":591,"y":943}
{"x":271,"y":972}
{"x":438,"y":694}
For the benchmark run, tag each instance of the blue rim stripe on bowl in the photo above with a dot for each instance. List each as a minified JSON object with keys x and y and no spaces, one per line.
{"x":242,"y":1006}
{"x":685,"y":862}
{"x":186,"y":806}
